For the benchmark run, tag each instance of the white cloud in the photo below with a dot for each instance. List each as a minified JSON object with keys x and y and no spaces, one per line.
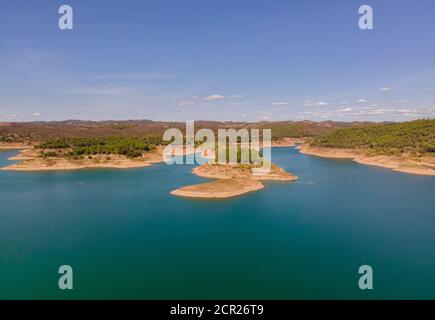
{"x":264,"y":115}
{"x":386,"y":89}
{"x":236,"y":96}
{"x":36,"y":114}
{"x":214,"y":97}
{"x":345,"y":110}
{"x":322,"y":103}
{"x":281,"y":103}
{"x":188,"y":101}
{"x":133,"y":76}
{"x":369,"y":112}
{"x":103,"y":90}
{"x":38,"y":57}
{"x":316,"y":113}
{"x":184,"y":103}
{"x":362,"y":100}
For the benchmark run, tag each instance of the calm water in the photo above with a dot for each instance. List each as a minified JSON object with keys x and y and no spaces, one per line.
{"x":126,"y":237}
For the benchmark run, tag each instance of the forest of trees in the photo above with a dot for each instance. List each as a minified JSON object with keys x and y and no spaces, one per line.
{"x":250,"y":156}
{"x":128,"y":146}
{"x":417,"y":137}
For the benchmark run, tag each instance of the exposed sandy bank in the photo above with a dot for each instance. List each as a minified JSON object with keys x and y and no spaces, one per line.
{"x":50,"y":164}
{"x":14,"y":146}
{"x":405,"y":163}
{"x":216,"y":171}
{"x":231,"y":181}
{"x":218,"y":189}
{"x":25,"y":154}
{"x":287,"y":142}
{"x":31,"y":161}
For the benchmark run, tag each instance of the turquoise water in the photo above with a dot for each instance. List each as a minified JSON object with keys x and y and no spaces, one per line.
{"x":126,"y":237}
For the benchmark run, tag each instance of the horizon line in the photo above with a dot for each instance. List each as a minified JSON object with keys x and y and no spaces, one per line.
{"x":202,"y":120}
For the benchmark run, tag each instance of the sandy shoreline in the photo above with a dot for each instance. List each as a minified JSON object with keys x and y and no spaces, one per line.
{"x":210,"y":171}
{"x":14,"y":146}
{"x":219,"y":189}
{"x":287,"y":142}
{"x":59,"y":164}
{"x":29,"y":160}
{"x":404,"y":164}
{"x":229,"y":181}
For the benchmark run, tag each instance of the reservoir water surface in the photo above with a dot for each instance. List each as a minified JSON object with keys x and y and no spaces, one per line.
{"x":126,"y":237}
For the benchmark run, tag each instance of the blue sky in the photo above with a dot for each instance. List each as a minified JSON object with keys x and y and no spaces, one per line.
{"x":217,"y":60}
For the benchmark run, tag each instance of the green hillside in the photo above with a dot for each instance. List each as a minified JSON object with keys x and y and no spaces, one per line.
{"x":417,"y":137}
{"x":290,"y":129}
{"x":130,"y":147}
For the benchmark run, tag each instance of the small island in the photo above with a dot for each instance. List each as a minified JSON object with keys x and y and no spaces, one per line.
{"x":230,"y":181}
{"x":219,"y":189}
{"x":131,"y":152}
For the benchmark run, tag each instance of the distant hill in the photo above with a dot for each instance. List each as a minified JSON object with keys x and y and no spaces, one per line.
{"x":292,"y":129}
{"x":45,"y":131}
{"x":415,"y":137}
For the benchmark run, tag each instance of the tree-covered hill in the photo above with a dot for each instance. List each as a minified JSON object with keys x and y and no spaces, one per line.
{"x":46,"y":131}
{"x":299,"y":129}
{"x":417,"y":137}
{"x":134,"y":136}
{"x":130,"y":147}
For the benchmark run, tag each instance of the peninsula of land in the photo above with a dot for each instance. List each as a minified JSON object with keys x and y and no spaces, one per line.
{"x":405,"y":163}
{"x":31,"y":159}
{"x":29,"y":163}
{"x":407,"y":147}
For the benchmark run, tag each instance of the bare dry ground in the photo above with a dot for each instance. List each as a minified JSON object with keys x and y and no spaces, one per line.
{"x":403,"y":163}
{"x":230,"y":181}
{"x":31,"y":161}
{"x":222,"y":188}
